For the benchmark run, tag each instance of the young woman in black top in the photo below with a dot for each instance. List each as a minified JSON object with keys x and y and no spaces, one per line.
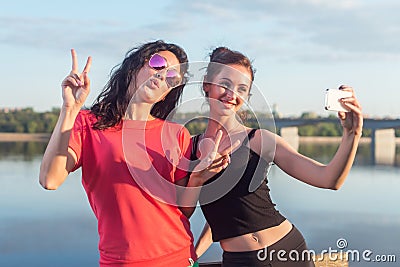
{"x":236,"y":203}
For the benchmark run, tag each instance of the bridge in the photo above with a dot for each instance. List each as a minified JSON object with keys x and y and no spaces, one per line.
{"x":287,"y":122}
{"x":383,"y":144}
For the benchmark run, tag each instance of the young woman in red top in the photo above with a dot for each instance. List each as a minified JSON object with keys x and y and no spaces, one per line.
{"x":236,"y":201}
{"x":121,"y":143}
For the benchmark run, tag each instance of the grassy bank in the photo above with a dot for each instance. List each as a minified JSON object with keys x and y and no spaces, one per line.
{"x":24,"y":137}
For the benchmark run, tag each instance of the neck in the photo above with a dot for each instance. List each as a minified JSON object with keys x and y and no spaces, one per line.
{"x":228,"y":125}
{"x":139,"y":111}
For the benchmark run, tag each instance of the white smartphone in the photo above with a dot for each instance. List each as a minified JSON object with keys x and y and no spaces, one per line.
{"x":332,"y":97}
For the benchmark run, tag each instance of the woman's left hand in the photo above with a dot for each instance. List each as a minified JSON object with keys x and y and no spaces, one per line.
{"x":213,"y":159}
{"x":351,"y":121}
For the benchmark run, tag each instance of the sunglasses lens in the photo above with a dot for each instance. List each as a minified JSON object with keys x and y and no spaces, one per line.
{"x":157,"y":62}
{"x":173,"y":78}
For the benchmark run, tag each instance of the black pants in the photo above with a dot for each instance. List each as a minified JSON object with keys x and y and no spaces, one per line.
{"x":290,"y":251}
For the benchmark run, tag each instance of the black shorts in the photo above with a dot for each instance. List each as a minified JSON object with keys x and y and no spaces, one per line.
{"x":290,"y":251}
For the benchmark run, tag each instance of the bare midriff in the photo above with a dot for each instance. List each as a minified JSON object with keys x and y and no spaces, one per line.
{"x":257,"y":240}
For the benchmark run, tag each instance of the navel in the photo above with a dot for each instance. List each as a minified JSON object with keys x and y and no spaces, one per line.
{"x":254,"y":237}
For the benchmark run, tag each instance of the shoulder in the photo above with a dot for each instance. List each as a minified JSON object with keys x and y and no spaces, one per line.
{"x":86,"y":114}
{"x":179,"y":128}
{"x":174,"y":132}
{"x":264,"y":143}
{"x":85,"y":119}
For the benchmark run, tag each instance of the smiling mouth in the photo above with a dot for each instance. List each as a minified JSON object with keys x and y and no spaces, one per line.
{"x":228,"y":103}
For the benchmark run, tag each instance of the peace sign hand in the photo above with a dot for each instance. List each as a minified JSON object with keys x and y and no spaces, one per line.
{"x":76,"y":86}
{"x":215,"y":160}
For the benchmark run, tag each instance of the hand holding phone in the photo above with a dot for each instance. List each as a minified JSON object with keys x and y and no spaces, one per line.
{"x":332,"y":99}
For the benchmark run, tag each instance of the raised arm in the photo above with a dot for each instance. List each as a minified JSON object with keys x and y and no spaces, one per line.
{"x":332,"y":175}
{"x":58,"y":160}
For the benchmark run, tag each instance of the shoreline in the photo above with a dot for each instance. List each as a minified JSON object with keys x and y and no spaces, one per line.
{"x":44,"y":137}
{"x":24,"y":137}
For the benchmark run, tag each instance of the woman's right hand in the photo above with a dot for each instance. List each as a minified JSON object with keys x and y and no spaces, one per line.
{"x":76,"y":86}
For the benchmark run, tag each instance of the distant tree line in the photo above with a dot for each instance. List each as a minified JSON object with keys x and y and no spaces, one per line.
{"x":26,"y":120}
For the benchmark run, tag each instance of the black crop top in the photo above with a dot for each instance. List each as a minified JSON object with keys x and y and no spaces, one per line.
{"x":236,"y":201}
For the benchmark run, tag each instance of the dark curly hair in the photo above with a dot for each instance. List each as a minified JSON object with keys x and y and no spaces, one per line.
{"x":110,"y":106}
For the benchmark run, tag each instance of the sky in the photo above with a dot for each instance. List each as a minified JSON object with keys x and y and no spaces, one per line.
{"x":299,"y":48}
